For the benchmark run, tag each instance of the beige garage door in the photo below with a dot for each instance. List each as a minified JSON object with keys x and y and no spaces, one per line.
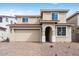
{"x":27,"y":35}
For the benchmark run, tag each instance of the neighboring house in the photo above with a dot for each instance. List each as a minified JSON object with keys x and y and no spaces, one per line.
{"x":2,"y":33}
{"x":50,"y":26}
{"x":4,"y":29}
{"x":74,"y":19}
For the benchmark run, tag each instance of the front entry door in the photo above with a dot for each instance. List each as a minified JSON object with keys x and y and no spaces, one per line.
{"x":48,"y":34}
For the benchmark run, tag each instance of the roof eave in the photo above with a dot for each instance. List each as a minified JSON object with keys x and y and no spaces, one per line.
{"x":55,"y":10}
{"x":73,"y":15}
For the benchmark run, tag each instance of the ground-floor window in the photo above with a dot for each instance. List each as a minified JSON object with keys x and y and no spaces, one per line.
{"x":61,"y":31}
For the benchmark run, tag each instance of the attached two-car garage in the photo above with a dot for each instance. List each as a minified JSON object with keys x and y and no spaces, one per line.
{"x":33,"y":35}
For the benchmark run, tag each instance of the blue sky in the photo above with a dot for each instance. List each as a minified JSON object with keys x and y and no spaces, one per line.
{"x":34,"y":8}
{"x":37,"y":6}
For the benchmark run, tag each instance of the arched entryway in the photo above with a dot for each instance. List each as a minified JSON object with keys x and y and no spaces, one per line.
{"x":48,"y":34}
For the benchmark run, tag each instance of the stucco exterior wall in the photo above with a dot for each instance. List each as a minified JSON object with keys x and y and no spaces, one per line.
{"x":32,"y":20}
{"x":2,"y":35}
{"x":73,"y":20}
{"x":62,"y":18}
{"x":48,"y":16}
{"x":3,"y":23}
{"x":77,"y":19}
{"x":19,"y":20}
{"x":31,"y":35}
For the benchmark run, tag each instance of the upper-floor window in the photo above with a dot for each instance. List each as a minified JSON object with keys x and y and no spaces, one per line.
{"x":55,"y":16}
{"x":0,"y":19}
{"x":25,"y":19}
{"x":61,"y":31}
{"x":6,"y":19}
{"x":11,"y":22}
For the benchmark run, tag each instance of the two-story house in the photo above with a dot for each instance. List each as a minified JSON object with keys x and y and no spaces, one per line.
{"x":74,"y":19}
{"x":49,"y":26}
{"x":4,"y":29}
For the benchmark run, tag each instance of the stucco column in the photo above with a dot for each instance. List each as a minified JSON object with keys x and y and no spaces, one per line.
{"x":12,"y":35}
{"x":12,"y":31}
{"x":53,"y":34}
{"x":43,"y":36}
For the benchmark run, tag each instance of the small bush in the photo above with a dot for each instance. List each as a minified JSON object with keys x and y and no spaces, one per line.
{"x":68,"y":46}
{"x":51,"y":46}
{"x":7,"y":40}
{"x":55,"y":54}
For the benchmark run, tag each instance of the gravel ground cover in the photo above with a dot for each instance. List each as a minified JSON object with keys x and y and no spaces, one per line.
{"x":38,"y":49}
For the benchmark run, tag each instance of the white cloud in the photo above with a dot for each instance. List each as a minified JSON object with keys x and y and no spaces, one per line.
{"x":13,"y":12}
{"x":55,"y":3}
{"x":27,"y":12}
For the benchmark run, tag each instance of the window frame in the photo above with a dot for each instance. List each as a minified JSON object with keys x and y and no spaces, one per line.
{"x":61,"y":31}
{"x":25,"y":20}
{"x":1,"y":20}
{"x":58,"y":16}
{"x":11,"y":22}
{"x":7,"y":19}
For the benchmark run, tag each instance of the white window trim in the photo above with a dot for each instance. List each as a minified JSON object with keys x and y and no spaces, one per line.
{"x":58,"y":14}
{"x":61,"y":35}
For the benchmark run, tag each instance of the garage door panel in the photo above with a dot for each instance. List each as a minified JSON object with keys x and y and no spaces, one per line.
{"x":27,"y":35}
